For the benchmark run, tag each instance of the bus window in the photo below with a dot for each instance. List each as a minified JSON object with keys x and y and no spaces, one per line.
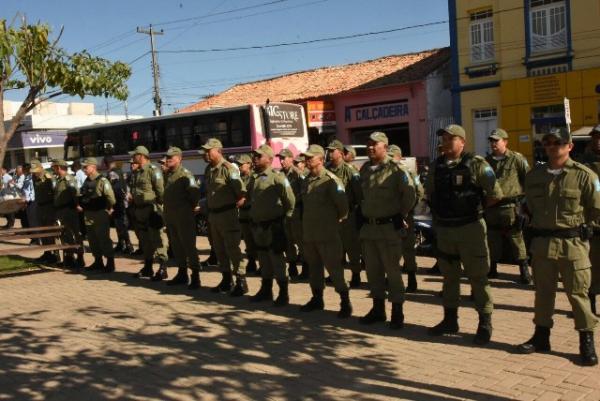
{"x":220,"y":131}
{"x":172,"y":138}
{"x":187,"y":138}
{"x":72,"y":147}
{"x":240,"y":133}
{"x":88,"y":144}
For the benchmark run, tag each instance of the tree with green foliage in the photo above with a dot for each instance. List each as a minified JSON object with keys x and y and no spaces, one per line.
{"x":32,"y":61}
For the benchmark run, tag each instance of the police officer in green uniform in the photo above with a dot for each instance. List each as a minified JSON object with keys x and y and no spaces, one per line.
{"x":409,"y":254}
{"x":459,"y":186}
{"x":591,"y":158}
{"x":325,"y":207}
{"x":387,"y":196}
{"x":349,"y":154}
{"x":271,"y":202}
{"x":561,"y":195}
{"x":65,"y":205}
{"x":225,"y":192}
{"x":503,"y":218}
{"x":293,"y":225}
{"x":350,"y":178}
{"x":244,"y":163}
{"x":43,"y":184}
{"x":96,"y":201}
{"x":147,"y":188}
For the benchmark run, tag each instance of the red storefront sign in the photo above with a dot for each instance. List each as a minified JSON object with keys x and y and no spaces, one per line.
{"x":320,"y":113}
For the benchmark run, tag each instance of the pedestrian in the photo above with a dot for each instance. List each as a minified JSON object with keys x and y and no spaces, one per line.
{"x":244,"y":162}
{"x":409,"y":253}
{"x":20,"y":177}
{"x":133,"y":167}
{"x":387,"y":196}
{"x":31,"y":207}
{"x":147,"y":195}
{"x":350,"y":179}
{"x":181,"y":196}
{"x":271,"y":201}
{"x":96,"y":202}
{"x":459,"y":186}
{"x":66,"y":198}
{"x":325,"y":207}
{"x":7,"y":182}
{"x":591,"y":158}
{"x":225,"y":193}
{"x":561,"y":196}
{"x":80,"y":178}
{"x":504,"y":219}
{"x":43,"y":184}
{"x":119,"y":215}
{"x":293,"y":226}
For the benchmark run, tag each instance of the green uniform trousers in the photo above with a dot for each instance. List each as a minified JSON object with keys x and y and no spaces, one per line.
{"x":382,"y":257}
{"x":595,"y":259}
{"x":576,"y":283}
{"x":351,"y":242}
{"x":153,"y":241}
{"x":97,"y":226}
{"x":47,"y":217}
{"x":293,"y":231}
{"x":325,"y":254}
{"x":409,"y":253}
{"x":466,"y":244}
{"x":182,"y":237}
{"x":500,"y":223}
{"x":272,"y":265}
{"x":226,"y":236}
{"x":69,"y":218}
{"x":248,"y":239}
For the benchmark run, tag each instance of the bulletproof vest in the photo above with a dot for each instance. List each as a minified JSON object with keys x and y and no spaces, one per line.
{"x":90,"y":200}
{"x":455,"y":196}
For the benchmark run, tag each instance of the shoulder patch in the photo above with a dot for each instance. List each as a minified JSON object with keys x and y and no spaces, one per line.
{"x":192,"y":181}
{"x":107,"y":186}
{"x":286,"y":183}
{"x":597,"y":185}
{"x":488,"y":171}
{"x":158,"y":174}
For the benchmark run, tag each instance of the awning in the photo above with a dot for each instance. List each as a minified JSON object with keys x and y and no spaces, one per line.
{"x":37,"y":139}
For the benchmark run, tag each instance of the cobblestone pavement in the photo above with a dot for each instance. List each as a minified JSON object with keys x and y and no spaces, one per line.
{"x":70,"y":336}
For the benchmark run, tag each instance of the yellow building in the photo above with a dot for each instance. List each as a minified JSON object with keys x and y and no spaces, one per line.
{"x":514,"y":62}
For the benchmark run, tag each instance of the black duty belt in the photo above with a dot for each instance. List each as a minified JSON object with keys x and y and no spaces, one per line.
{"x":222,"y":208}
{"x":559,"y":233}
{"x":379,"y":220}
{"x":457,"y":222}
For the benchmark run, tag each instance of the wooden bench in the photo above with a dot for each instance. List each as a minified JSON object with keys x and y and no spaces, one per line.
{"x":13,"y":234}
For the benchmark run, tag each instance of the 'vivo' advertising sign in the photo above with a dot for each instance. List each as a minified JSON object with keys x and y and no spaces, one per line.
{"x":376,"y":112}
{"x":37,"y":139}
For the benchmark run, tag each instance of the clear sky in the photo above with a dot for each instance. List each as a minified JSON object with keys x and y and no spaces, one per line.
{"x":108,"y":29}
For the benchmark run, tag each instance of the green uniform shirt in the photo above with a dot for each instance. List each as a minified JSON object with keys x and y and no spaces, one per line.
{"x":386,"y":190}
{"x":182,"y":193}
{"x":147,"y":185}
{"x":65,"y":192}
{"x":560,"y":202}
{"x":224,"y":186}
{"x":295,"y":177}
{"x":510,"y":172}
{"x":350,"y":179}
{"x":592,"y":160}
{"x":419,"y":190}
{"x":245,"y":209}
{"x":44,"y":189}
{"x":325,"y":204}
{"x":104,"y":189}
{"x":271,"y":196}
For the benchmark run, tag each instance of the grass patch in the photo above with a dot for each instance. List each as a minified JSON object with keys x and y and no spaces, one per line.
{"x":11,"y":264}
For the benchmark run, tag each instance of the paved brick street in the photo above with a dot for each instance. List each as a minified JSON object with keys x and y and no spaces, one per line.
{"x":92,"y":336}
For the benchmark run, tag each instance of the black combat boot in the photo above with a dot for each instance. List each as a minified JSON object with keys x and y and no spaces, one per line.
{"x":484,"y":329}
{"x":397,"y":319}
{"x":44,"y":258}
{"x":493,"y":273}
{"x":355,"y":280}
{"x":119,"y":247}
{"x":146,"y":271}
{"x":449,"y":325}
{"x":304,"y":273}
{"x":265,"y":293}
{"x":412,"y":282}
{"x":241,"y":286}
{"x":435,"y":270}
{"x":211,"y":260}
{"x":539,"y":342}
{"x":110,"y":265}
{"x":586,"y":348}
{"x":292,"y":269}
{"x":524,"y":275}
{"x":315,"y":302}
{"x":161,"y":273}
{"x":345,"y":305}
{"x":225,"y":284}
{"x":376,"y":314}
{"x":68,"y":261}
{"x":97,"y":265}
{"x":251,"y":266}
{"x":80,"y":262}
{"x":128,"y":250}
{"x":181,"y":278}
{"x":195,"y":280}
{"x":592,"y":297}
{"x":138,"y":252}
{"x":283,"y":298}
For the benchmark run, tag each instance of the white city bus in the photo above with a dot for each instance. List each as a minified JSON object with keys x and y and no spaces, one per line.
{"x":240,"y":129}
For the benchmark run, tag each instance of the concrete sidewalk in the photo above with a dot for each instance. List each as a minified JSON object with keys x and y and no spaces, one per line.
{"x":109,"y":336}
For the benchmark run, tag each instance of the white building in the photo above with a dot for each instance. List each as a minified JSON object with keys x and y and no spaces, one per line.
{"x":41,"y":134}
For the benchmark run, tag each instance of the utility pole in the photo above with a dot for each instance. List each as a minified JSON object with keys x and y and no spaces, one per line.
{"x":155,"y":71}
